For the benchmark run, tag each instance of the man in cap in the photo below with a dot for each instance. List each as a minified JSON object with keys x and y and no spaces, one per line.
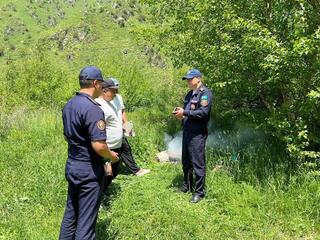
{"x":113,"y":128}
{"x":113,"y":108}
{"x":84,"y":130}
{"x":126,"y":151}
{"x":195,"y":116}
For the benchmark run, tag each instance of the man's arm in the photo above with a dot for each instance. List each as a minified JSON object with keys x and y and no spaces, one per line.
{"x":124,"y":117}
{"x":103,"y":150}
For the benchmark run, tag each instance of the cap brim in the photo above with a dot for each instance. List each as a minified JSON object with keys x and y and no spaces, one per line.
{"x":187,"y":77}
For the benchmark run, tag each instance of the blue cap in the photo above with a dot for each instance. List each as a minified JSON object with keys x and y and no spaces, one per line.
{"x":192,"y":74}
{"x":90,"y":73}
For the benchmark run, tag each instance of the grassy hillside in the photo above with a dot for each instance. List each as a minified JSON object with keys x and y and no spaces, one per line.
{"x":33,"y":192}
{"x":25,"y":22}
{"x":89,"y":33}
{"x":43,"y":45}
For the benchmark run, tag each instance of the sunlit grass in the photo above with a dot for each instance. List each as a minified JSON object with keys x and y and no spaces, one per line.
{"x":33,"y":192}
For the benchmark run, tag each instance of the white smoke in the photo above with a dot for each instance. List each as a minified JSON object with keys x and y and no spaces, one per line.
{"x":221,"y":140}
{"x":174,"y":146}
{"x":174,"y":143}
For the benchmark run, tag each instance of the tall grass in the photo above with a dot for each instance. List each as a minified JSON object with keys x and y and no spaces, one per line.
{"x":33,"y":192}
{"x":250,"y":155}
{"x":32,"y":162}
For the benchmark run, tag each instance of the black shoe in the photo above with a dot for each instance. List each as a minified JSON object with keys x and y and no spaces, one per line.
{"x":196,"y":198}
{"x":184,"y":189}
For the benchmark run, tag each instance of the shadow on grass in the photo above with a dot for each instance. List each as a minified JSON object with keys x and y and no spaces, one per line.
{"x":176,"y":182}
{"x":102,"y":231}
{"x":113,"y":191}
{"x":102,"y":227}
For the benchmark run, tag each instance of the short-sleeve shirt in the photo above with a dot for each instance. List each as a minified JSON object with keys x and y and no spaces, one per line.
{"x":83,"y":122}
{"x":113,"y":117}
{"x":117,"y":103}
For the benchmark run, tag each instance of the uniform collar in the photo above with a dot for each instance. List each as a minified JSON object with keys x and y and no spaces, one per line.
{"x":87,"y":96}
{"x":200,"y":88}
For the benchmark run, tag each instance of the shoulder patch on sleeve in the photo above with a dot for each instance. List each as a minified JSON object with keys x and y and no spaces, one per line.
{"x":204,"y":97}
{"x":204,"y":100}
{"x":204,"y":103}
{"x":101,"y":125}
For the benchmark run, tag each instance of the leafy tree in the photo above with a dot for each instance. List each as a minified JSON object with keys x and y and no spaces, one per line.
{"x":260,"y":57}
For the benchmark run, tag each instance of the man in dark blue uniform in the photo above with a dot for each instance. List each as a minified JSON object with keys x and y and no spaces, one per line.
{"x":84,"y":130}
{"x":195,"y":116}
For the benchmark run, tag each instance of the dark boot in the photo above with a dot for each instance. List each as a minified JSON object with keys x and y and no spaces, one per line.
{"x":196,"y":198}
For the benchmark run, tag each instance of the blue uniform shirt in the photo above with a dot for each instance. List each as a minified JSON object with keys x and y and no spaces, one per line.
{"x":83,"y":122}
{"x":197,"y":108}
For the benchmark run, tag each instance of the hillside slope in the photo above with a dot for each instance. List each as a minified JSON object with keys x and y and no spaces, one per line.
{"x":87,"y":33}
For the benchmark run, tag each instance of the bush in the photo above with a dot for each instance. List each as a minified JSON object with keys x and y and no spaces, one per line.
{"x":38,"y":81}
{"x":262,"y":60}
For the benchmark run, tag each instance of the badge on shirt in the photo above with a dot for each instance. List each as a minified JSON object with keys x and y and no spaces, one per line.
{"x":193,"y":104}
{"x":101,"y":125}
{"x":204,"y":101}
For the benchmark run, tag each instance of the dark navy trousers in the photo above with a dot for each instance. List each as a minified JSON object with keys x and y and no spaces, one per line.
{"x":83,"y":202}
{"x":193,"y":160}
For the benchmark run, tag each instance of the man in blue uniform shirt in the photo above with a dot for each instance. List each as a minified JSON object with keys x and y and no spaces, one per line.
{"x":195,"y":116}
{"x":84,"y":130}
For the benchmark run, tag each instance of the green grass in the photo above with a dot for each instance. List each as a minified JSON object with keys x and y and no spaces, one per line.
{"x":150,"y":208}
{"x":28,"y":30}
{"x":48,"y":75}
{"x":33,"y":192}
{"x":33,"y":152}
{"x":32,"y":159}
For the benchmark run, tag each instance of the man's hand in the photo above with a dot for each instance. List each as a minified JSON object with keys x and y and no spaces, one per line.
{"x":179,"y":113}
{"x":108,"y":169}
{"x":103,"y":150}
{"x":114,"y":157}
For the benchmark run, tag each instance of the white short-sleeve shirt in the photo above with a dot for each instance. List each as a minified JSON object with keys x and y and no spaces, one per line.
{"x":117,"y":103}
{"x":113,"y":116}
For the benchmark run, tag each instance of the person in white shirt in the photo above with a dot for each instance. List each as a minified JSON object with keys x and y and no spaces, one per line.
{"x":114,"y":129}
{"x":126,"y":151}
{"x":113,"y":108}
